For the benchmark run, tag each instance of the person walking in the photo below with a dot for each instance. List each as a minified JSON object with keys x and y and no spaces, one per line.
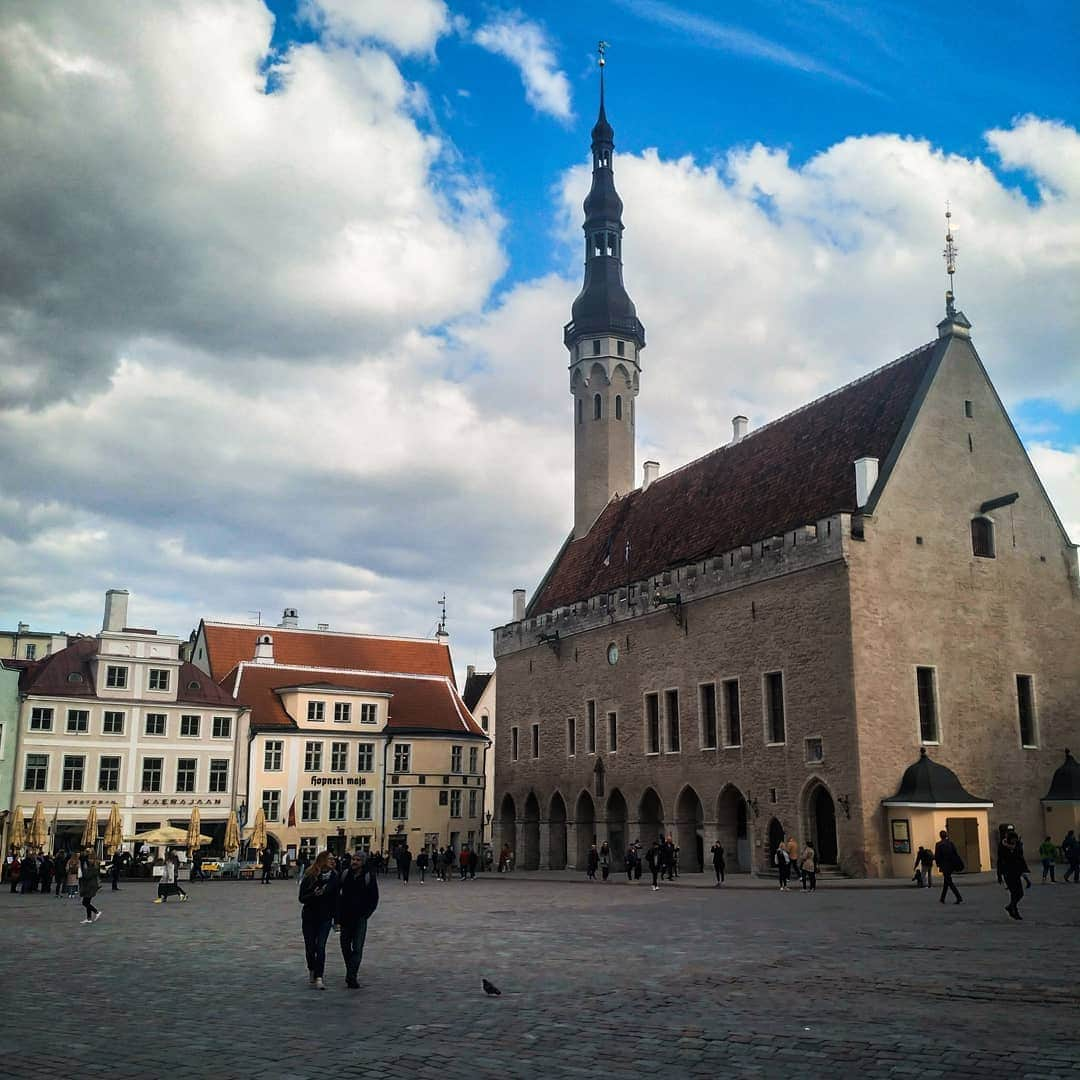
{"x":592,"y":861}
{"x":318,"y":894}
{"x":1048,"y":854}
{"x":808,"y":866}
{"x":89,"y":886}
{"x":357,"y":899}
{"x":28,"y":874}
{"x":448,"y":863}
{"x":267,"y":862}
{"x":783,"y":865}
{"x":463,"y":862}
{"x":404,"y":863}
{"x":653,"y":859}
{"x":72,"y":872}
{"x":605,"y":861}
{"x":1013,"y":869}
{"x":48,"y":868}
{"x":170,"y":880}
{"x":474,"y":862}
{"x":948,"y":862}
{"x":718,"y":862}
{"x":1070,"y":849}
{"x":114,"y":870}
{"x":926,"y":863}
{"x":421,"y":863}
{"x":629,"y":861}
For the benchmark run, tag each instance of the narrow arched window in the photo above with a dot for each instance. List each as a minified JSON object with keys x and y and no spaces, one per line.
{"x":982,"y":537}
{"x":596,"y":407}
{"x":618,"y":406}
{"x":579,"y":409}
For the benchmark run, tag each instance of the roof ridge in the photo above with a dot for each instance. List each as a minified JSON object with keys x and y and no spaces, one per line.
{"x":336,"y":633}
{"x":344,"y":671}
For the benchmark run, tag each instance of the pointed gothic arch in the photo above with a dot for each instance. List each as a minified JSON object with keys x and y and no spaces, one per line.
{"x":585,"y":827}
{"x":617,"y":815}
{"x":557,"y":833}
{"x":508,"y":823}
{"x":732,"y":828}
{"x":819,"y":813}
{"x":530,"y":840}
{"x":650,"y":817}
{"x":690,"y":830}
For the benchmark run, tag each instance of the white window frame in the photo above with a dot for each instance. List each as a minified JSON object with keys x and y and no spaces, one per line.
{"x":337,"y":805}
{"x":212,"y":775}
{"x":273,"y":797}
{"x":69,"y":730}
{"x":194,"y":776}
{"x":455,"y":802}
{"x":365,"y":804}
{"x":45,"y":717}
{"x":158,"y":675}
{"x":365,"y":751}
{"x":702,"y":745}
{"x":725,"y":712}
{"x":310,"y":797}
{"x":766,"y":718}
{"x":273,"y":750}
{"x":26,"y":766}
{"x":399,"y":805}
{"x":111,"y":673}
{"x":118,"y":758}
{"x":342,"y":712}
{"x":402,"y":757}
{"x":659,"y":723}
{"x":163,"y":733}
{"x":217,"y":721}
{"x":106,"y":714}
{"x":188,"y":717}
{"x":1034,"y":712}
{"x":339,"y":750}
{"x":142,"y":774}
{"x":369,"y":713}
{"x":937,"y":704}
{"x":313,"y":753}
{"x":316,"y":712}
{"x":82,"y":771}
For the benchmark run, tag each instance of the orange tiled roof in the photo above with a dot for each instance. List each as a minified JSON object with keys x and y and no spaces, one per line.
{"x":229,"y":644}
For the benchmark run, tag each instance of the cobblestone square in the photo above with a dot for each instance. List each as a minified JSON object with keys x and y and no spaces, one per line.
{"x":615,"y":977}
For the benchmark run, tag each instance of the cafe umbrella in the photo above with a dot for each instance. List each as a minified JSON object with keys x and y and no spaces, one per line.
{"x":194,"y":837}
{"x":38,"y":836}
{"x":90,"y":829}
{"x":166,"y":836}
{"x":18,"y":830}
{"x":232,"y":834}
{"x":114,"y":834}
{"x":258,"y":831}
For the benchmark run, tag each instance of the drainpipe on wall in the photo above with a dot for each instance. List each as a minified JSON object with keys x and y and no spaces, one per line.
{"x":386,"y":751}
{"x":483,"y":807}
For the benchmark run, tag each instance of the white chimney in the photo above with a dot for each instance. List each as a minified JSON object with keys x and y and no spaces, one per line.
{"x":116,"y":601}
{"x":470,"y":671}
{"x":651,"y":471}
{"x":264,"y":649}
{"x":290,"y":618}
{"x":866,"y":469}
{"x":739,"y":425}
{"x":519,"y":605}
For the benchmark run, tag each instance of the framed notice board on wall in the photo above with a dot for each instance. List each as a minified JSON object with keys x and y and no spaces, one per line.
{"x":901,"y":837}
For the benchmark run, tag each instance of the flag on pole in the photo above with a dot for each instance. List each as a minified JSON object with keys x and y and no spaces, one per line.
{"x":292,"y":815}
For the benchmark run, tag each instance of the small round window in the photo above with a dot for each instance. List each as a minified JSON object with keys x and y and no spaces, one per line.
{"x":613,"y":654}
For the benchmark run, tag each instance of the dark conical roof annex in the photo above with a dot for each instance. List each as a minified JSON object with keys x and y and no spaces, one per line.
{"x":1065,"y":785}
{"x":791,"y":472}
{"x":928,"y":783}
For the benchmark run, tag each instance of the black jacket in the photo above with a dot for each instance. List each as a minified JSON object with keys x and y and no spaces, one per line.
{"x":718,"y":855}
{"x":947,"y":857}
{"x":358,"y":896}
{"x":1012,"y":863}
{"x":318,"y":894}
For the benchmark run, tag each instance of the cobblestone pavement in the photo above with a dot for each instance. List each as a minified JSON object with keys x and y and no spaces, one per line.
{"x":689,"y":982}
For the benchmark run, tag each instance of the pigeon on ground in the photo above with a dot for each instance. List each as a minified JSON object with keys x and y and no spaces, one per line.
{"x":490,"y":988}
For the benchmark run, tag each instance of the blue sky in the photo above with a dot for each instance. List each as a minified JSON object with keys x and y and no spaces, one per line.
{"x":281,"y":316}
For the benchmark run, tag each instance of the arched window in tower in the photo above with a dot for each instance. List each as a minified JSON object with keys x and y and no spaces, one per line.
{"x":611,"y":241}
{"x":596,"y":407}
{"x":598,"y":244}
{"x":982,"y":538}
{"x":618,"y":406}
{"x":580,"y":403}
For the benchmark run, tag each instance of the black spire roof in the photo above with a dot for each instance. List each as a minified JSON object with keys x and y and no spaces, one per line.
{"x":1065,"y":786}
{"x":603,"y":305}
{"x":930,"y":784}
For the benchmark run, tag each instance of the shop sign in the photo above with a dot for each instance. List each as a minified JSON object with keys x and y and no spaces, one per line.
{"x":339,"y":781}
{"x":182,"y":802}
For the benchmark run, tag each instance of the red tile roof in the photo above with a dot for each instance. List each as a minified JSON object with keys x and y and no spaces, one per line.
{"x":228,"y":644}
{"x":55,"y":676}
{"x":419,"y":703}
{"x":794,"y":471}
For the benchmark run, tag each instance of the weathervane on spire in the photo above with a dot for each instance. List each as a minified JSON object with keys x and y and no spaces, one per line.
{"x":442,"y":617}
{"x":601,"y":49}
{"x":949,"y":254}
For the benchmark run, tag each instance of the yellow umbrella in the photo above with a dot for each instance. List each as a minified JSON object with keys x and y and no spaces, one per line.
{"x":89,"y":833}
{"x":18,"y":829}
{"x":232,"y":834}
{"x":39,"y":832}
{"x":258,"y":831}
{"x":193,"y":831}
{"x":114,"y":833}
{"x":167,"y":836}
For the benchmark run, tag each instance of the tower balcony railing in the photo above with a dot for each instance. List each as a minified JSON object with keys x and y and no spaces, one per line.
{"x":630,"y":326}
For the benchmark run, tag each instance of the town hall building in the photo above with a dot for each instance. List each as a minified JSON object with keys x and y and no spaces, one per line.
{"x":855,"y":625}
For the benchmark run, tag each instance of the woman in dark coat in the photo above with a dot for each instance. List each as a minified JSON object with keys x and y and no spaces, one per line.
{"x":1012,"y":866}
{"x":318,"y":894}
{"x":89,"y":885}
{"x":718,"y":862}
{"x":592,"y":863}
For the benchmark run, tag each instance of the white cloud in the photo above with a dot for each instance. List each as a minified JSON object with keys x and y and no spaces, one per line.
{"x":408,"y":26}
{"x":525,"y":44}
{"x":1059,"y":471}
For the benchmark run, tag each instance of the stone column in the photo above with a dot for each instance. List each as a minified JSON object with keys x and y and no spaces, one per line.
{"x":571,"y":846}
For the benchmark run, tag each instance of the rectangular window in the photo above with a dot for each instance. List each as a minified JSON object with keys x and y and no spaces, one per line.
{"x":814,"y":750}
{"x":219,"y":774}
{"x":365,"y":758}
{"x":30,"y":652}
{"x":612,"y":732}
{"x":926,"y":688}
{"x":41,"y":719}
{"x":222,"y":727}
{"x":472,"y":802}
{"x":78,"y":721}
{"x":155,"y":723}
{"x":590,"y":727}
{"x":338,"y":805}
{"x":272,"y":755}
{"x":596,"y":347}
{"x":112,"y":723}
{"x":309,"y":806}
{"x":671,"y":708}
{"x":1025,"y":704}
{"x":708,"y":715}
{"x":308,"y":848}
{"x":271,"y":804}
{"x":402,"y":757}
{"x":151,"y":774}
{"x":316,"y":710}
{"x":652,"y":724}
{"x":190,"y":726}
{"x":342,"y":712}
{"x":775,"y":728}
{"x":484,"y":722}
{"x":732,"y":714}
{"x":400,"y":806}
{"x":185,"y":774}
{"x":444,"y":798}
{"x":116,"y":678}
{"x":37,"y":772}
{"x":455,"y":759}
{"x":474,"y":759}
{"x":108,"y":774}
{"x":513,"y":744}
{"x":620,"y":348}
{"x":536,"y":740}
{"x":455,"y":803}
{"x":312,"y":756}
{"x":339,"y":756}
{"x":73,"y":773}
{"x":159,"y":678}
{"x":364,"y":800}
{"x":571,"y":736}
{"x":369,"y":714}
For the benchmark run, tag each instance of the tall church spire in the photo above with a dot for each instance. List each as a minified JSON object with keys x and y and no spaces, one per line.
{"x":605,"y":339}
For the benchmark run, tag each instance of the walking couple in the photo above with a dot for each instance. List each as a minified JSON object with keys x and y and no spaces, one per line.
{"x":352,"y":898}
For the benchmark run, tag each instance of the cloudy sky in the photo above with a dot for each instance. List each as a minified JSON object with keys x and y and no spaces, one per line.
{"x":282,"y":285}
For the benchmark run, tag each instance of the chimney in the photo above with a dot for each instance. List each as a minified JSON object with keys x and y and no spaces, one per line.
{"x":290,"y":618}
{"x":519,"y":605}
{"x":322,"y":626}
{"x":24,"y":628}
{"x":650,"y":470}
{"x":739,"y":424}
{"x":470,"y":671}
{"x":866,"y":469}
{"x":264,"y":649}
{"x":116,"y":601}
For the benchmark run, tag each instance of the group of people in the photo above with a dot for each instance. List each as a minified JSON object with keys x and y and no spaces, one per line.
{"x":75,"y":875}
{"x":599,"y":859}
{"x":791,"y":859}
{"x":341,"y":892}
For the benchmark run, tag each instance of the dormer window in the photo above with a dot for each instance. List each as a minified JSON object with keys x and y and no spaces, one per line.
{"x":982,"y":538}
